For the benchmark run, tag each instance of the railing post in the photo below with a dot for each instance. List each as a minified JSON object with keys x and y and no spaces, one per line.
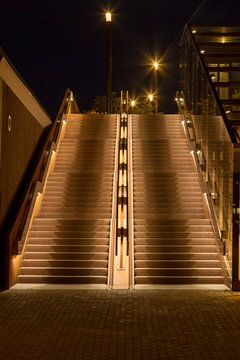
{"x":235,"y":233}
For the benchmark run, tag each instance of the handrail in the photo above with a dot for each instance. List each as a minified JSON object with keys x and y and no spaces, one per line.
{"x":130,"y":206}
{"x":113,"y":222}
{"x":211,"y":86}
{"x":39,"y":161}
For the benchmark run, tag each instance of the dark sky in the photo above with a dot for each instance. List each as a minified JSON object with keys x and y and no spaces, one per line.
{"x":59,"y":44}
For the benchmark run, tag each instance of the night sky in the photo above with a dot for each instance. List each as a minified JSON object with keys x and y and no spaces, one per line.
{"x":60,"y":44}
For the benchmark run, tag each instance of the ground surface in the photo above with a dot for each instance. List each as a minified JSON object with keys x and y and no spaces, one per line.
{"x":98,"y":324}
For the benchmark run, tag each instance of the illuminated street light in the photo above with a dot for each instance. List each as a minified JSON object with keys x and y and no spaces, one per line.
{"x":109,"y":60}
{"x":133,"y":103}
{"x":150,"y":97}
{"x":108,"y":16}
{"x":156,"y":67}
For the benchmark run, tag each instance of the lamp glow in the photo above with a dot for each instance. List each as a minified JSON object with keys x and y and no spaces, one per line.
{"x":108,"y":16}
{"x":150,"y":97}
{"x":156,"y":65}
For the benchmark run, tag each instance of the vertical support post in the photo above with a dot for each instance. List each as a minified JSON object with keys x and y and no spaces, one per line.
{"x":109,"y":61}
{"x":156,"y":89}
{"x":235,"y":234}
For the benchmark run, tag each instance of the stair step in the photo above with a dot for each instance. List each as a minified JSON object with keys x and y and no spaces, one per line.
{"x":55,"y":226}
{"x":49,"y":255}
{"x":66,"y":248}
{"x":173,"y":241}
{"x":179,"y":280}
{"x":76,"y":210}
{"x":151,"y":235}
{"x":182,"y":256}
{"x":67,"y":234}
{"x":76,"y":216}
{"x":174,"y":248}
{"x":67,"y":271}
{"x":178,"y":272}
{"x":71,"y":222}
{"x":172,"y":223}
{"x":63,"y":279}
{"x":175,"y":264}
{"x":169,"y":216}
{"x":174,"y":227}
{"x":39,"y":263}
{"x":166,"y":211}
{"x":69,"y":241}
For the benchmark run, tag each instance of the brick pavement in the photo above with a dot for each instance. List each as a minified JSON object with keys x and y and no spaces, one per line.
{"x":101,"y":324}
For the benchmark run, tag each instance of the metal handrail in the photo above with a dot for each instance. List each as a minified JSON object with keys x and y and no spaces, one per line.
{"x":211,"y":86}
{"x":13,"y":233}
{"x":113,"y":224}
{"x":130,"y":206}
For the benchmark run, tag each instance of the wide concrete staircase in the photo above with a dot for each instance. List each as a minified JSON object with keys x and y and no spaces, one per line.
{"x":69,"y":240}
{"x":173,"y":237}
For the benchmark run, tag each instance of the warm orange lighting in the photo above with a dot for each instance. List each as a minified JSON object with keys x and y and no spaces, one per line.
{"x":133,"y":103}
{"x":150,"y":97}
{"x":108,"y":16}
{"x":156,"y":65}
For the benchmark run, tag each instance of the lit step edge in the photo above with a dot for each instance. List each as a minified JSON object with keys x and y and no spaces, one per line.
{"x":38,"y":245}
{"x":176,"y":261}
{"x":166,"y":246}
{"x":63,"y":252}
{"x":174,"y":253}
{"x":179,"y":268}
{"x":61,"y":260}
{"x":181,"y":276}
{"x":62,"y":267}
{"x":64,"y":276}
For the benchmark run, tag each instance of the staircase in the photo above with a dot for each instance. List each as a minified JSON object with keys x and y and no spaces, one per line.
{"x":69,"y":240}
{"x":173,"y":237}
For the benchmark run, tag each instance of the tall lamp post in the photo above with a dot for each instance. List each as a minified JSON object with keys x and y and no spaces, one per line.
{"x":109,"y":61}
{"x":156,"y":67}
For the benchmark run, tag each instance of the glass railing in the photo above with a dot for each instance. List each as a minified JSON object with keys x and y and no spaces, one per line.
{"x":208,"y":101}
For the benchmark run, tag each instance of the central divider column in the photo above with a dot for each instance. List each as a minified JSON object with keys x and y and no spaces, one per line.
{"x":121,"y":268}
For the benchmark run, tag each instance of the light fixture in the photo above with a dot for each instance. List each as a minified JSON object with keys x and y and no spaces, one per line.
{"x":108,"y":16}
{"x":202,"y":51}
{"x":150,"y":97}
{"x":133,"y":103}
{"x":156,"y":65}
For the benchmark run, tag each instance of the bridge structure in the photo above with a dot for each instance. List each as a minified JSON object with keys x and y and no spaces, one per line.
{"x":127,"y":201}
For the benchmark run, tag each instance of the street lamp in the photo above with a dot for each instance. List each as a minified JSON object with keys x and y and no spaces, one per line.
{"x":150,"y":97}
{"x":133,"y":103}
{"x":156,"y":67}
{"x":108,"y":15}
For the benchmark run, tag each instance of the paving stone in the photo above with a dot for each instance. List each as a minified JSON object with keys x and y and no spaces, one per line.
{"x":101,"y":324}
